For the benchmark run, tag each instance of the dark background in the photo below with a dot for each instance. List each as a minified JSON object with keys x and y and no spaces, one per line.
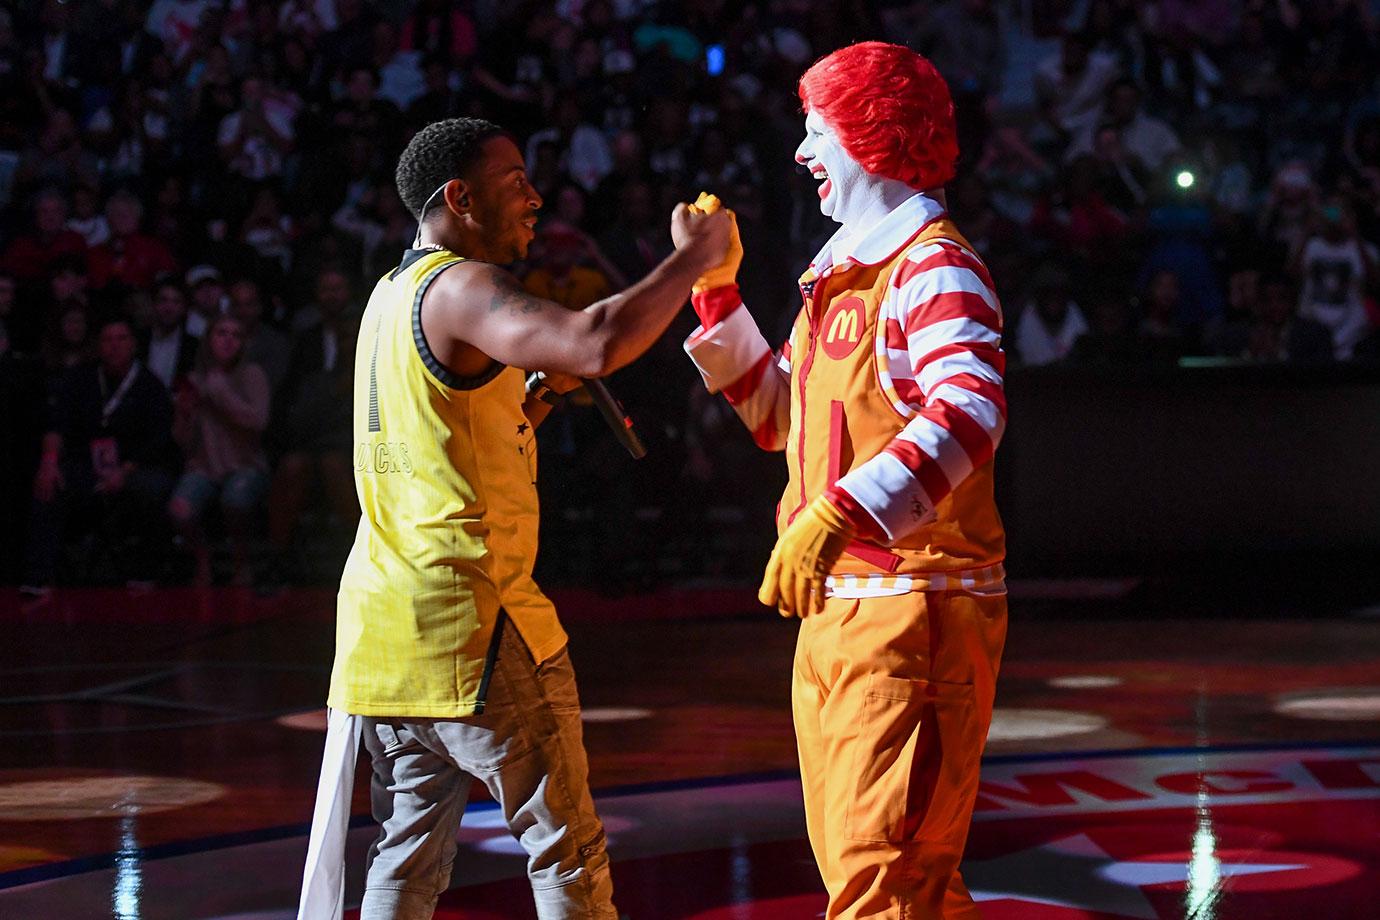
{"x":1162,"y":420}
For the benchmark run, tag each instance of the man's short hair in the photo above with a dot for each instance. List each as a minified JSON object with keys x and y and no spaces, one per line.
{"x":441,"y":151}
{"x":114,"y":319}
{"x":890,"y":108}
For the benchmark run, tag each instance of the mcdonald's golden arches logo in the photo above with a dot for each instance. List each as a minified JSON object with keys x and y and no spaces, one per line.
{"x":843,"y":327}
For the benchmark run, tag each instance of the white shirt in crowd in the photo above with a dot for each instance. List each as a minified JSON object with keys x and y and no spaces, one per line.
{"x":162,"y":358}
{"x":1076,"y":100}
{"x":1334,"y":278}
{"x":1039,"y":344}
{"x":259,"y":159}
{"x":587,"y":160}
{"x":95,"y":229}
{"x":1147,"y":138}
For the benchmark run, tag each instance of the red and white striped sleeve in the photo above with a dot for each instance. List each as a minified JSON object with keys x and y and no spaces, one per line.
{"x":734,"y":358}
{"x":942,"y":352}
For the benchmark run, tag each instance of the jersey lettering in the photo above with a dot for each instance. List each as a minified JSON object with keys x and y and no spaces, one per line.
{"x":383,"y":457}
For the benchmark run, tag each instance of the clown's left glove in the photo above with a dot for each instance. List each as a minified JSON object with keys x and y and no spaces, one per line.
{"x":803,"y":557}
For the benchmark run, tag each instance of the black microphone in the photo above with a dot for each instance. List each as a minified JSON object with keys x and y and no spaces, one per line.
{"x":618,"y":419}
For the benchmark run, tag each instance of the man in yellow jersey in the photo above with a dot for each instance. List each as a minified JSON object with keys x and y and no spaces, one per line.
{"x":451,"y":664}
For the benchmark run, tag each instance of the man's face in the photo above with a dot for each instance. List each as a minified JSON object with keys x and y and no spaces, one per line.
{"x":67,"y":284}
{"x":1108,"y":144}
{"x":123,"y":216}
{"x":169,"y":307}
{"x":360,"y":89}
{"x":116,"y":347}
{"x":503,"y":204}
{"x":332,"y":293}
{"x":6,"y":295}
{"x":244,"y":303}
{"x":207,"y":296}
{"x":1164,"y":294}
{"x":843,"y":183}
{"x":627,"y":150}
{"x":49,"y":214}
{"x":73,"y":325}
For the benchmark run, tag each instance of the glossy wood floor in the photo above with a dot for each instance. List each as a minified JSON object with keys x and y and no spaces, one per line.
{"x":160,"y":753}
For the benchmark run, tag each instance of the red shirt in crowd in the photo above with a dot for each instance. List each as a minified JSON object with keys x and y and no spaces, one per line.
{"x":133,"y":261}
{"x":30,"y":257}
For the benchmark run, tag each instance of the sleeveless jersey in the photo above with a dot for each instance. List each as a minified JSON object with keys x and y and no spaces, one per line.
{"x":445,"y":470}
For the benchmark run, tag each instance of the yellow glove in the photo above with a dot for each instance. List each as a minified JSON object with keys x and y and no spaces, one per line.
{"x":804,"y":554}
{"x":726,"y":272}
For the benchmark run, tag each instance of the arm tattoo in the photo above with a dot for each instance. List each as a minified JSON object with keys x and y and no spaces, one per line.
{"x":510,"y":295}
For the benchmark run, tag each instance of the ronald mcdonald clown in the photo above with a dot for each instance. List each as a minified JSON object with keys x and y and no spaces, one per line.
{"x":887,"y":401}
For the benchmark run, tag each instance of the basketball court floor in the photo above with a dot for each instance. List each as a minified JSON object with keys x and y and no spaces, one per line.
{"x":159,"y":754}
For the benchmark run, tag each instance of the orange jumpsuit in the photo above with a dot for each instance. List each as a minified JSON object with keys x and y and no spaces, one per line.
{"x":888,"y":399}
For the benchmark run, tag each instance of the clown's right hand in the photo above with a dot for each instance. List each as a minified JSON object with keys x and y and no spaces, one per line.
{"x":726,"y":272}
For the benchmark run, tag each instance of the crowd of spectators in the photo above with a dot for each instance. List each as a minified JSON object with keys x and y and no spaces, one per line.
{"x":197,"y":196}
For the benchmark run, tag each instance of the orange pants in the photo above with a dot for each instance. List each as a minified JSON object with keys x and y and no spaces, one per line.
{"x":892,"y":698}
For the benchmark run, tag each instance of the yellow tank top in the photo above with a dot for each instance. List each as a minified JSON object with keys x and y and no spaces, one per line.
{"x":445,"y":469}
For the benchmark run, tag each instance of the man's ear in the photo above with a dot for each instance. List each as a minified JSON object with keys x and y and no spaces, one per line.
{"x":457,"y":195}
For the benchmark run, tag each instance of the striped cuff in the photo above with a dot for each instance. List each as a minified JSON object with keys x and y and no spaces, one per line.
{"x":713,"y":305}
{"x":727,"y":350}
{"x":862,"y":520}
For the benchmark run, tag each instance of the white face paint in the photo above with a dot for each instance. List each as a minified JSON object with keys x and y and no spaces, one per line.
{"x":838,"y":174}
{"x":847,"y":192}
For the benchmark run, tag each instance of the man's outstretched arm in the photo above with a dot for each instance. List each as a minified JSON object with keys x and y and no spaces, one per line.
{"x":482,"y":308}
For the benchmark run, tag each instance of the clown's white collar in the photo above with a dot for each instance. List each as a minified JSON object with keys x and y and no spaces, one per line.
{"x":883,"y":239}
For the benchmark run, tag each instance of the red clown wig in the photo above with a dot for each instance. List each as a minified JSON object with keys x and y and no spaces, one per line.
{"x":890,"y":108}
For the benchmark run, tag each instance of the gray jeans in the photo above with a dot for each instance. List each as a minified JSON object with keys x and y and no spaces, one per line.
{"x":526,"y":748}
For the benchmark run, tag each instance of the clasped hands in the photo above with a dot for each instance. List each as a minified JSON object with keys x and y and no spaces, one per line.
{"x":726,"y":272}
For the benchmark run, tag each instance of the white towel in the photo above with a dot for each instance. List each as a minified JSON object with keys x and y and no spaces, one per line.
{"x":323,"y":879}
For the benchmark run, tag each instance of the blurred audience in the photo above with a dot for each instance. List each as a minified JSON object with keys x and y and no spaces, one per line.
{"x":313,"y":425}
{"x":1337,"y":268}
{"x":167,"y":348}
{"x":1147,"y":181}
{"x":1051,"y":322}
{"x":105,"y":463}
{"x":221,"y":412}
